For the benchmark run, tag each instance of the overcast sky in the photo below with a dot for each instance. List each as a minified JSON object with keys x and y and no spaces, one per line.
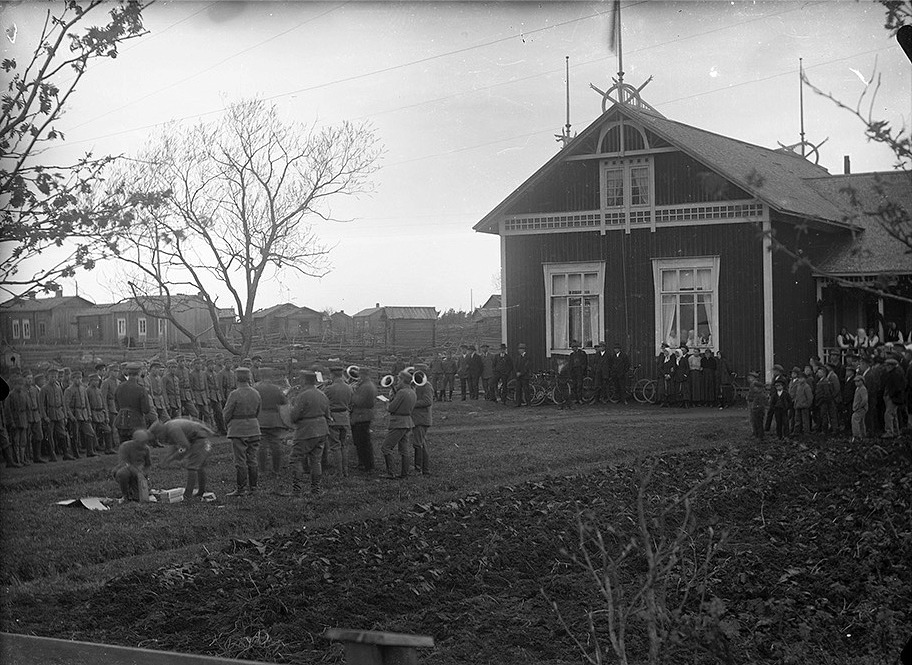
{"x":466,"y":98}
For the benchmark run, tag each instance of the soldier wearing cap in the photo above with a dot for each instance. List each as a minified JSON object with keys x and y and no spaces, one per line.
{"x":311,"y":417}
{"x":109,"y":383}
{"x":523,"y":370}
{"x":422,"y":420}
{"x":339,"y":395}
{"x":198,"y":390}
{"x":213,"y":393}
{"x":99,"y":415}
{"x":241,"y":415}
{"x":226,"y":379}
{"x":450,"y":367}
{"x":133,"y":466}
{"x":272,"y":425}
{"x":133,"y":404}
{"x":503,"y":372}
{"x":188,"y":408}
{"x":363,"y":400}
{"x":436,"y":375}
{"x":36,"y":432}
{"x":189,"y":442}
{"x":76,"y":401}
{"x":400,"y":424}
{"x":255,"y":367}
{"x":171,"y":386}
{"x":53,"y":414}
{"x":16,"y":407}
{"x":156,"y":387}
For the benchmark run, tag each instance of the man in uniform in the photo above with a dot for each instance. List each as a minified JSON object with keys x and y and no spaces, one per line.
{"x":618,"y":368}
{"x":272,"y":427}
{"x":400,"y":424}
{"x":133,"y":466}
{"x":241,"y":415}
{"x":436,"y":375}
{"x":311,"y":417}
{"x":503,"y":372}
{"x":450,"y":368}
{"x":76,"y":401}
{"x":171,"y":386}
{"x":213,"y":393}
{"x":189,"y":440}
{"x":475,"y":370}
{"x":133,"y":405}
{"x":421,"y":419}
{"x":523,"y":370}
{"x":53,"y":413}
{"x":198,"y":390}
{"x":363,"y":398}
{"x":17,"y":420}
{"x":188,"y":408}
{"x":108,"y":387}
{"x":579,"y":362}
{"x":600,"y":365}
{"x":462,"y":369}
{"x":227,"y":381}
{"x":99,"y":415}
{"x":36,"y":433}
{"x":339,"y":395}
{"x":487,"y":372}
{"x":156,"y":384}
{"x":255,"y":368}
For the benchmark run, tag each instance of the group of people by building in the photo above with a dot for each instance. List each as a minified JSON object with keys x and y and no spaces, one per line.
{"x":693,"y":377}
{"x":867,"y":393}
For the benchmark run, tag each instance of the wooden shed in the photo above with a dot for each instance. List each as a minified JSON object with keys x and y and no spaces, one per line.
{"x":487,"y":322}
{"x":288,"y":323}
{"x":25,"y":321}
{"x":645,"y":230}
{"x":396,"y":327}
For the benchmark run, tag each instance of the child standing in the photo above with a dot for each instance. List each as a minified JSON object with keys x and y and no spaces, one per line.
{"x":859,"y":409}
{"x":780,"y":404}
{"x":756,"y":403}
{"x":802,"y":401}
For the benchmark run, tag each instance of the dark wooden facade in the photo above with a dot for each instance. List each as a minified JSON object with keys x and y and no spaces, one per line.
{"x":26,"y":321}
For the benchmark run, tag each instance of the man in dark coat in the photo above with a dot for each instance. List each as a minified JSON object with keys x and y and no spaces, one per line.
{"x":462,"y":369}
{"x":421,"y":420}
{"x":363,"y":398}
{"x":240,"y":416}
{"x":487,"y":372}
{"x":579,"y":363}
{"x":76,"y":402}
{"x":311,"y":417}
{"x":53,"y":414}
{"x":618,"y":368}
{"x":133,"y":404}
{"x":503,"y":372}
{"x":522,"y":368}
{"x":400,"y":424}
{"x":339,"y":395}
{"x":476,"y":367}
{"x":272,"y":426}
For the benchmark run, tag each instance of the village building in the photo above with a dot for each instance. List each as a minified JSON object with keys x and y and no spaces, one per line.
{"x":487,"y":322}
{"x":396,"y":327}
{"x":288,"y":322}
{"x":643,"y":231}
{"x":341,"y":324}
{"x":31,"y":320}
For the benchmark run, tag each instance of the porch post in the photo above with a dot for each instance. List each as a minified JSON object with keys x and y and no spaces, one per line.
{"x":767,"y":300}
{"x":880,"y":318}
{"x":503,"y":286}
{"x":819,"y":281}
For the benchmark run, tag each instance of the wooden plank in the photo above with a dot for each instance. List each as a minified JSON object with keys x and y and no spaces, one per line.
{"x":34,"y":650}
{"x":379,"y":637}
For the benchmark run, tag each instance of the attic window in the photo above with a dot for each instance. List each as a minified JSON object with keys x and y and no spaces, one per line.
{"x":634,"y":138}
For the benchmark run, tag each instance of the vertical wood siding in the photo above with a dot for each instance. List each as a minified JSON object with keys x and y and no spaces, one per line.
{"x":572,"y":186}
{"x":680,"y":179}
{"x":740,"y":296}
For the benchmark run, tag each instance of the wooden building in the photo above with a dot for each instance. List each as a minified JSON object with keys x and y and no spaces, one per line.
{"x":25,"y":321}
{"x":288,"y":322}
{"x":125,"y":323}
{"x":397,"y":327}
{"x":341,"y":324}
{"x":644,"y":230}
{"x":487,"y":322}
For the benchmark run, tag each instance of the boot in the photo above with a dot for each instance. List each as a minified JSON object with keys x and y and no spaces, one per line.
{"x":344,"y":460}
{"x":404,"y":467}
{"x":11,"y":463}
{"x":191,"y":484}
{"x":296,"y":487}
{"x":36,"y":452}
{"x":424,"y":461}
{"x":417,"y":458}
{"x":200,"y":482}
{"x":90,"y":447}
{"x":389,"y":465}
{"x":241,"y":478}
{"x":315,"y":485}
{"x":252,"y":479}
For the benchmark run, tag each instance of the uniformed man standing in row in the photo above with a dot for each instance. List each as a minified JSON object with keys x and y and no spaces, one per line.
{"x":99,"y":416}
{"x":76,"y":402}
{"x":311,"y":417}
{"x":188,"y":408}
{"x":157,"y":391}
{"x":400,"y":424}
{"x":54,"y":416}
{"x":272,"y":427}
{"x":171,"y":386}
{"x":36,"y":432}
{"x":421,"y":419}
{"x":133,"y":404}
{"x":339,"y":394}
{"x":579,"y":363}
{"x":241,"y":414}
{"x":363,"y":401}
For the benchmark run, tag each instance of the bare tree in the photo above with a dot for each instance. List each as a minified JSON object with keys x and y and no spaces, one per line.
{"x":44,"y":204}
{"x":243,"y":191}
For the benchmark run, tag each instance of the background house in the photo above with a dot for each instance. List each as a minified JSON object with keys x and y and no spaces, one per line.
{"x":645,"y":230}
{"x":487,"y":322}
{"x":288,"y":322}
{"x":41,"y":320}
{"x":401,"y":327}
{"x":341,"y":323}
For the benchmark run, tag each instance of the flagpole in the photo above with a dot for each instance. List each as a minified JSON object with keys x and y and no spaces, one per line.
{"x":620,"y":52}
{"x":801,"y":100}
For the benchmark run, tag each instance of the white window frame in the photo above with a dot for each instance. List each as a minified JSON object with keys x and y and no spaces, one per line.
{"x":16,"y":329}
{"x":121,"y":327}
{"x":142,"y":328}
{"x":551,"y":269}
{"x":161,"y":327}
{"x":687,"y":263}
{"x":26,"y":329}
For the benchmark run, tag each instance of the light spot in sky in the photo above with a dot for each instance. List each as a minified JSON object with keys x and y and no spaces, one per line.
{"x":11,"y":33}
{"x":713,"y":72}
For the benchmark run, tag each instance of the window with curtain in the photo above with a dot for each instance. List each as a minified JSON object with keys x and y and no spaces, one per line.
{"x":26,"y":329}
{"x":627,"y":182}
{"x":141,"y":326}
{"x":574,"y":297}
{"x":122,"y":327}
{"x":686,"y":302}
{"x":15,"y":328}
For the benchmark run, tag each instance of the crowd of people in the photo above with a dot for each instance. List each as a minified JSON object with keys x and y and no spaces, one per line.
{"x":867,"y":392}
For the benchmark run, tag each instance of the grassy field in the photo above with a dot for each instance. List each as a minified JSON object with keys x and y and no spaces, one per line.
{"x":816,"y":566}
{"x":473,"y":445}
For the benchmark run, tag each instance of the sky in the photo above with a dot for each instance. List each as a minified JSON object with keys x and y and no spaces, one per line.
{"x":466,"y":99}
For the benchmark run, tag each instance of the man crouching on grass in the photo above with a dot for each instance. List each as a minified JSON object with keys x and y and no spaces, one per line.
{"x":132,"y":470}
{"x":189,"y":440}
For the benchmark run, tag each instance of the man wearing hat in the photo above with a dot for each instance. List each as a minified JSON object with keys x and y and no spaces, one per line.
{"x":618,"y":367}
{"x":779,"y":405}
{"x":272,"y":426}
{"x":400,"y":424}
{"x":339,"y":395}
{"x":99,"y":415}
{"x":421,"y":421}
{"x":133,"y":404}
{"x":522,"y":368}
{"x":76,"y":402}
{"x":214,"y":395}
{"x":363,"y":400}
{"x":600,"y":365}
{"x":198,"y":390}
{"x":53,"y":414}
{"x":487,"y":372}
{"x":462,"y":369}
{"x":188,"y":408}
{"x":109,"y":382}
{"x":475,"y":369}
{"x":36,"y":432}
{"x":436,"y":375}
{"x":450,"y":367}
{"x":859,"y":409}
{"x":171,"y":385}
{"x":503,"y":373}
{"x":255,"y":367}
{"x":311,"y":417}
{"x":757,"y":398}
{"x":579,"y":363}
{"x":241,"y":416}
{"x":157,"y":391}
{"x":894,"y":388}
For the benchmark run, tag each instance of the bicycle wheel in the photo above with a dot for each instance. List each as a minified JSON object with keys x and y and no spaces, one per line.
{"x":590,"y":391}
{"x":538,"y":396}
{"x":649,"y":391}
{"x":557,"y":395}
{"x":612,"y":395}
{"x":510,"y":392}
{"x":638,"y":393}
